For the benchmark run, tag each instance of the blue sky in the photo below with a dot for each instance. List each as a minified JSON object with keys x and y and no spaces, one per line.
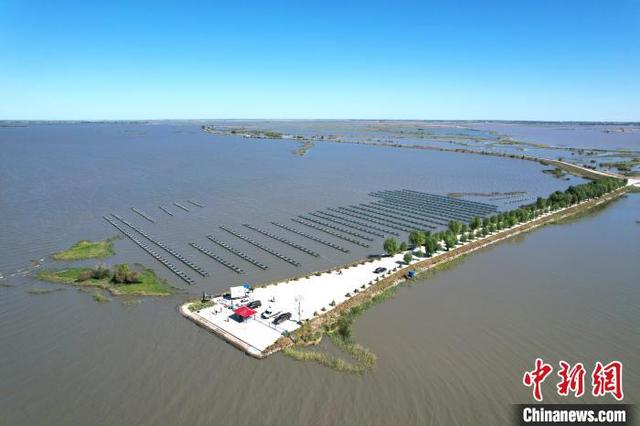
{"x":535,"y":60}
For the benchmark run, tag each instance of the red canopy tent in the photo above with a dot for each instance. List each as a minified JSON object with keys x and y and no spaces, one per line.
{"x":244,"y":312}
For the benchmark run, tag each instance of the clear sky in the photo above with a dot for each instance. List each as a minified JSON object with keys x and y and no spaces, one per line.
{"x":536,"y":60}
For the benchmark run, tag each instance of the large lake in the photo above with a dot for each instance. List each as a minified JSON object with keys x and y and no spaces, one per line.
{"x":451,"y":348}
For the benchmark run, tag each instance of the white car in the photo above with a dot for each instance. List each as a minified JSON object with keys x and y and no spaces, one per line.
{"x":269,"y":313}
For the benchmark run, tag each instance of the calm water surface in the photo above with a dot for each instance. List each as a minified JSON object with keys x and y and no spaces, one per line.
{"x":451,"y":348}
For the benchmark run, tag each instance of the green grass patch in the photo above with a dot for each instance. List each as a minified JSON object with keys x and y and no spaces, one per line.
{"x":557,"y":172}
{"x":87,"y":250}
{"x":149,"y":283}
{"x":325,"y":359}
{"x":363,"y":358}
{"x":100,"y":298}
{"x":199,"y":304}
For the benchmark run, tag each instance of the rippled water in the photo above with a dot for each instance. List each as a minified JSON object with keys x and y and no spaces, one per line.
{"x":451,"y":347}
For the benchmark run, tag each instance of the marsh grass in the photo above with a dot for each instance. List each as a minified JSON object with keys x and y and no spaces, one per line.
{"x":100,"y":298}
{"x":86,"y":249}
{"x":335,"y":363}
{"x":340,"y":334}
{"x":44,"y":290}
{"x":150,"y":284}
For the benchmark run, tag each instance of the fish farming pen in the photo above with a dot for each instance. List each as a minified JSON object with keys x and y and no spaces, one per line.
{"x":437,"y":208}
{"x":436,"y":211}
{"x":237,"y":252}
{"x":508,"y":196}
{"x":142,"y":214}
{"x":441,"y":198}
{"x":450,"y":205}
{"x":330,"y":232}
{"x":152,"y":252}
{"x":337,"y":228}
{"x":165,"y":210}
{"x":283,"y":240}
{"x":438,"y":203}
{"x":431,"y":212}
{"x":384,"y":221}
{"x":521,"y":200}
{"x":437,"y":218}
{"x":348,"y":212}
{"x":470,"y":207}
{"x":466,"y":206}
{"x":483,"y":206}
{"x":311,"y":237}
{"x":403,"y":217}
{"x":261,"y":246}
{"x":181,"y":206}
{"x":348,"y":225}
{"x":413,"y":224}
{"x":392,"y":216}
{"x":163,"y":246}
{"x":217,"y":258}
{"x":195,"y":203}
{"x":363,"y":224}
{"x":409,"y":212}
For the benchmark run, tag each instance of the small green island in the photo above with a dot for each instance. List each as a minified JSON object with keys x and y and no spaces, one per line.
{"x":556,"y":172}
{"x":121,"y":280}
{"x":86,"y":249}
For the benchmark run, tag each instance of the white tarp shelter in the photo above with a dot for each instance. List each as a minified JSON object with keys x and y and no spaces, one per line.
{"x":238,"y":292}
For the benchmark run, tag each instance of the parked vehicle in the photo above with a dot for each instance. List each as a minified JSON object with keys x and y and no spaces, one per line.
{"x":254,"y":305}
{"x":379,"y":270}
{"x":266,"y":313}
{"x":282,"y":318}
{"x":270,"y":313}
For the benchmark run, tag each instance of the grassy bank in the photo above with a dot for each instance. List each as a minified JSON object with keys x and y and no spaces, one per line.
{"x":340,"y":334}
{"x":147,"y":282}
{"x":86,"y":249}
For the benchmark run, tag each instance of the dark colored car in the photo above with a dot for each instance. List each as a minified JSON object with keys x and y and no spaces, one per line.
{"x":379,"y":270}
{"x":282,"y":318}
{"x":254,"y":305}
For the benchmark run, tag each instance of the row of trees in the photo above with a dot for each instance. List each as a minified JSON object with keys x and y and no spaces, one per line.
{"x":480,"y":227}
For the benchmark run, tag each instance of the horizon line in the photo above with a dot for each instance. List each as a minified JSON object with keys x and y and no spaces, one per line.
{"x":143,"y":120}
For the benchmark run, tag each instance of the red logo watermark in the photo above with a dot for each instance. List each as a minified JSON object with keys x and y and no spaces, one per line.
{"x":605,"y":379}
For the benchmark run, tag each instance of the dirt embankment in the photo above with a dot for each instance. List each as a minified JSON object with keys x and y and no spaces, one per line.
{"x":579,"y":170}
